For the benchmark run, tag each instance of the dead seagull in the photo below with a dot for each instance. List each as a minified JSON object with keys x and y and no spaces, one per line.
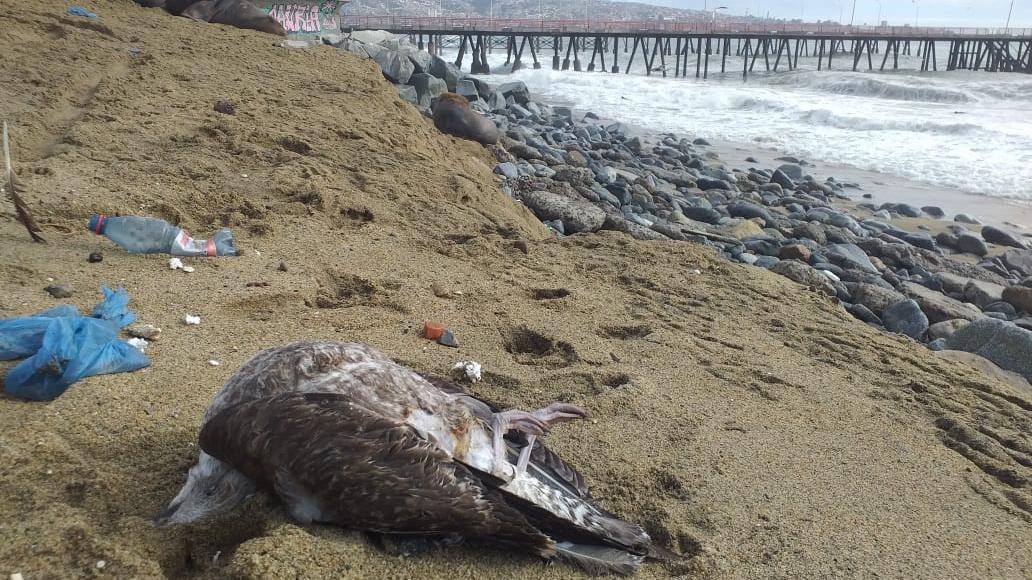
{"x":343,"y":435}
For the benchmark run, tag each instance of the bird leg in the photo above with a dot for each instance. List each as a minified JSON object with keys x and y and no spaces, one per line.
{"x":533,"y":424}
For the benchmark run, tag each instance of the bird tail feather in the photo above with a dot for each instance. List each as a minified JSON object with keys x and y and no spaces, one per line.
{"x":599,"y":560}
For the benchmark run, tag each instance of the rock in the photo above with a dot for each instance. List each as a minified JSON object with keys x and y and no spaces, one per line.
{"x":946,"y":328}
{"x":995,"y":235}
{"x":575,"y":158}
{"x":972,"y":244}
{"x":947,"y":239}
{"x":937,"y":306}
{"x":60,"y":290}
{"x":517,"y":90}
{"x":741,"y":229}
{"x":95,"y":257}
{"x":467,"y":89}
{"x":407,"y":93}
{"x":707,"y":183}
{"x":876,"y":298}
{"x":422,"y":61}
{"x":905,"y":209}
{"x":745,"y":209}
{"x":791,"y":170}
{"x":935,"y":212}
{"x":446,"y":71}
{"x":636,"y":231}
{"x":767,"y":262}
{"x":805,"y":275}
{"x":811,"y":231}
{"x":1005,"y":308}
{"x":700,"y":141}
{"x":225,"y":107}
{"x":1020,"y":260}
{"x":507,"y":169}
{"x":864,"y":314}
{"x":850,"y":256}
{"x":702,"y":214}
{"x":145,"y":331}
{"x":779,"y":177}
{"x":395,"y":66}
{"x":795,"y":252}
{"x":937,"y":345}
{"x":1003,"y":343}
{"x":576,"y":215}
{"x":965,"y":219}
{"x":921,"y":240}
{"x":1015,"y":380}
{"x":982,"y":294}
{"x":952,"y":283}
{"x":1020,"y":297}
{"x":448,"y":339}
{"x":906,"y":318}
{"x":428,"y":87}
{"x":282,"y":266}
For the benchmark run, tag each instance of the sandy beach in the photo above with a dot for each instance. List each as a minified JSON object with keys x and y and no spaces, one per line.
{"x":750,"y":425}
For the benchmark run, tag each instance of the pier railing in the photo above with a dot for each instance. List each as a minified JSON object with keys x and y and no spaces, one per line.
{"x":720,"y":26}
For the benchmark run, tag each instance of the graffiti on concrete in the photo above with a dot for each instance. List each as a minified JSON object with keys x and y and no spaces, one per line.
{"x":306,"y":17}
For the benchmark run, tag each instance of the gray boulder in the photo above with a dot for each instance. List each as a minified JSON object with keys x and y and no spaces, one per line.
{"x":1020,"y":297}
{"x":1001,"y":342}
{"x":850,"y":256}
{"x":422,"y":60}
{"x":779,"y":177}
{"x":517,"y":90}
{"x":965,"y":219}
{"x":576,"y":215}
{"x":876,"y":298}
{"x":995,"y":235}
{"x":1020,"y":260}
{"x":906,"y":318}
{"x":972,"y":244}
{"x":938,"y":307}
{"x":805,"y":275}
{"x":745,"y":209}
{"x":428,"y":87}
{"x":446,"y":71}
{"x":395,"y":66}
{"x":468,"y":89}
{"x":946,"y":328}
{"x":982,"y":294}
{"x":407,"y":93}
{"x":791,"y":170}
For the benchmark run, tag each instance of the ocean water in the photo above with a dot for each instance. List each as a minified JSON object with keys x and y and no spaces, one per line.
{"x":960,"y":130}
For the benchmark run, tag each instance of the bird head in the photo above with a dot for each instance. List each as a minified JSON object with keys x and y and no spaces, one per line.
{"x":212,"y":487}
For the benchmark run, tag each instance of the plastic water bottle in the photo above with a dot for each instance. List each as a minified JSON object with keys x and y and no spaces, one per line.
{"x":144,"y":235}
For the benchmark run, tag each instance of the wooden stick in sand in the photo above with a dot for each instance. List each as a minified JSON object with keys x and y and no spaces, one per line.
{"x":10,"y":186}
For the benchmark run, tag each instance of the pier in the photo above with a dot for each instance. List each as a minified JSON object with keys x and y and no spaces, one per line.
{"x":681,"y":49}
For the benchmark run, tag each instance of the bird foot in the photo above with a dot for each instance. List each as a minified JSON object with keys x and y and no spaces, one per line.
{"x":533,"y":424}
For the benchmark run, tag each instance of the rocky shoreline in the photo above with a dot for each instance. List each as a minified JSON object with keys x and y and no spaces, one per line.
{"x":579,"y":174}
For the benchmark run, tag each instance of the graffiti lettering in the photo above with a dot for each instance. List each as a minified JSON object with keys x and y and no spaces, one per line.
{"x":305,"y":18}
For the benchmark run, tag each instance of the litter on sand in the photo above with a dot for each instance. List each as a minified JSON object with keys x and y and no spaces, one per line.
{"x":80,"y":11}
{"x":191,"y":319}
{"x":147,"y":235}
{"x":63,"y":346}
{"x":468,"y":370}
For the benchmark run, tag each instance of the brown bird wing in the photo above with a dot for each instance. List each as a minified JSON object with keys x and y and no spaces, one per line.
{"x":342,"y":463}
{"x":541,"y":457}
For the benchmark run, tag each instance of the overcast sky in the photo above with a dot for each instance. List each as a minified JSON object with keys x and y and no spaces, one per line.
{"x":897,"y":12}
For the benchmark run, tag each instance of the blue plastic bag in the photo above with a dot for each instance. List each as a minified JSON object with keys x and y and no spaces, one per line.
{"x":66,"y":346}
{"x":114,"y":307}
{"x":80,"y":11}
{"x":22,"y":337}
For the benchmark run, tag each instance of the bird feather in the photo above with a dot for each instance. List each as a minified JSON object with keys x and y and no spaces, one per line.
{"x":11,"y":186}
{"x":599,"y":560}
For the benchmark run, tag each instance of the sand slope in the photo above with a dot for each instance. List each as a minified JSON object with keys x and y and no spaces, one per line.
{"x":749,"y":424}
